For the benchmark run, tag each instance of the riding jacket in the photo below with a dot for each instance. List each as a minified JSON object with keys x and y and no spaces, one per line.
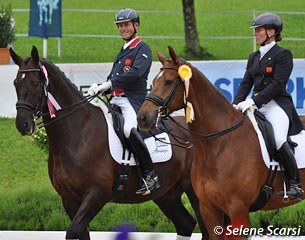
{"x":130,"y":72}
{"x":268,"y":77}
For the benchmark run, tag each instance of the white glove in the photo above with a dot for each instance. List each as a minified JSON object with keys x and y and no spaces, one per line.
{"x":103,"y":87}
{"x":244,"y":105}
{"x":94,"y":88}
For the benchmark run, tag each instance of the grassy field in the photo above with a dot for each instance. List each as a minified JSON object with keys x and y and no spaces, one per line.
{"x":29,"y":202}
{"x":27,"y":199}
{"x":217,"y":18}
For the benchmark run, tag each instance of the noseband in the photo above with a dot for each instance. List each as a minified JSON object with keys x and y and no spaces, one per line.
{"x":163,"y":110}
{"x":26,"y":105}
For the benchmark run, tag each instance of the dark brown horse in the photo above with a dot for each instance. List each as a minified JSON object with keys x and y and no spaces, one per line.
{"x":81,"y":168}
{"x":228,"y":170}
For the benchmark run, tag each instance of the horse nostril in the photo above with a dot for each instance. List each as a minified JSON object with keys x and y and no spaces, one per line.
{"x":143,"y":118}
{"x":25,"y":124}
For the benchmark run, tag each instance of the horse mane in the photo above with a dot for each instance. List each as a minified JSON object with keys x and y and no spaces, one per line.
{"x":215,"y":90}
{"x":204,"y":79}
{"x":49,"y":65}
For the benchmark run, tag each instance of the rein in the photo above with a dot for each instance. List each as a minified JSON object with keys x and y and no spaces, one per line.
{"x":210,"y":136}
{"x":80,"y":105}
{"x":163,"y":114}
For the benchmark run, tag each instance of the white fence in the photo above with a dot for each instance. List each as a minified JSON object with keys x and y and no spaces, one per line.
{"x":199,"y":14}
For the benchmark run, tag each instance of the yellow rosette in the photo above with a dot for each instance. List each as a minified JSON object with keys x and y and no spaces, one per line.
{"x":185,"y":72}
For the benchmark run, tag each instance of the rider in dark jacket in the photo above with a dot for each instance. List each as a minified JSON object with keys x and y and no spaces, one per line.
{"x":128,"y":83}
{"x":268,"y":72}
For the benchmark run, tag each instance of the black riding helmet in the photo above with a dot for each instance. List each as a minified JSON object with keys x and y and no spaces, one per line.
{"x":269,"y":21}
{"x":125,"y":15}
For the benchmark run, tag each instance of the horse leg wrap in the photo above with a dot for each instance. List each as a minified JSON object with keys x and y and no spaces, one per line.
{"x":182,"y":238}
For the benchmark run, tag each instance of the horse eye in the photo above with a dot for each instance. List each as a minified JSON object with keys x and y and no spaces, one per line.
{"x":169,"y":82}
{"x":35,"y":83}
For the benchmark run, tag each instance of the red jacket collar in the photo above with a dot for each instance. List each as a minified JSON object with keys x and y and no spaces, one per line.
{"x":135,"y":42}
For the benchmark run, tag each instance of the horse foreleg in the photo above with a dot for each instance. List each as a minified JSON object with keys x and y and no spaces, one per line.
{"x":71,"y":208}
{"x":238,"y":213}
{"x":195,"y":205}
{"x":88,"y":208}
{"x":213,"y":219}
{"x":173,"y":208}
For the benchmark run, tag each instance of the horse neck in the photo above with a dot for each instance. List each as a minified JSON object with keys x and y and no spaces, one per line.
{"x":212,"y":111}
{"x":65,"y":94}
{"x":61,"y":87}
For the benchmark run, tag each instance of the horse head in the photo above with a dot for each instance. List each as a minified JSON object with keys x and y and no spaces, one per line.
{"x":166,"y":94}
{"x":29,"y":84}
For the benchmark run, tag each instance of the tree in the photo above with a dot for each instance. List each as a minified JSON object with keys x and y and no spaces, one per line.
{"x":193,"y":49}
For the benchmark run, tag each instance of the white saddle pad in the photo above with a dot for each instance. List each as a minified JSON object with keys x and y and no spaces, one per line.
{"x":160,"y":150}
{"x":299,"y":139}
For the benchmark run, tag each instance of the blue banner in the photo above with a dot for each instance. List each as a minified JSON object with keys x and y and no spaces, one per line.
{"x":227,"y":75}
{"x":45,"y":18}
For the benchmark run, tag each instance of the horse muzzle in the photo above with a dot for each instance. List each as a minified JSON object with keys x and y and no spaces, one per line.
{"x":25,"y":122}
{"x":147,"y":121}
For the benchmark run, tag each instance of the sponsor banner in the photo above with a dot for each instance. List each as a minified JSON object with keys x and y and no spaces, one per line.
{"x":225,"y":75}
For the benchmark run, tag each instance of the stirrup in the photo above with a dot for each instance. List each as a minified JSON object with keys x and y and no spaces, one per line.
{"x":287,"y":195}
{"x":149,"y":184}
{"x":145,"y":189}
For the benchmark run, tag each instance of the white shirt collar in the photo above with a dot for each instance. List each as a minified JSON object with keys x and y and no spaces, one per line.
{"x":264,"y":49}
{"x":126,"y":45}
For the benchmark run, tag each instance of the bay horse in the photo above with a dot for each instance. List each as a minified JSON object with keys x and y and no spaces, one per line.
{"x":228,"y":171}
{"x":80,"y":166}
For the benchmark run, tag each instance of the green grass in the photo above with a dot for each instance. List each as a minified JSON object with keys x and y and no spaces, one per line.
{"x":214,"y":18}
{"x":29,"y":202}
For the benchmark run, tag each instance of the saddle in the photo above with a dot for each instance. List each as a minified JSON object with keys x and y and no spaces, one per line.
{"x":118,"y":126}
{"x":267,"y":131}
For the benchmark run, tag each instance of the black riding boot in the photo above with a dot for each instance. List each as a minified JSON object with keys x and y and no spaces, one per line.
{"x":291,"y":168}
{"x":140,"y":151}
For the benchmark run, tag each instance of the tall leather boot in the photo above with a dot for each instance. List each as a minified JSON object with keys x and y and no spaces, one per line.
{"x":141,"y":153}
{"x":290,"y":166}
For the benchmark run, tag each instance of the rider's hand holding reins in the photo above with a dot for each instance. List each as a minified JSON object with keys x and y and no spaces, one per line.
{"x":94,"y":88}
{"x":244,"y":105}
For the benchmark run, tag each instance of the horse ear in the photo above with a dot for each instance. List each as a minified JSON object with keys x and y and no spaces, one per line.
{"x":173,"y":55}
{"x":16,"y":58}
{"x":35,"y":55}
{"x":161,"y":57}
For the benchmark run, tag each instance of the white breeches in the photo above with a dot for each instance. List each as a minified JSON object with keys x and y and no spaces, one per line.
{"x":128,"y":112}
{"x":278,"y":119}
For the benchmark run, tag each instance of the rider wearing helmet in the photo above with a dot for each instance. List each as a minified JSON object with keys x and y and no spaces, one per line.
{"x":128,"y":83}
{"x":269,"y":21}
{"x":268,"y":72}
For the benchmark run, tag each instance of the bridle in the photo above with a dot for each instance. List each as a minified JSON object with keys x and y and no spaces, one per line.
{"x":163,"y":114}
{"x":163,"y":109}
{"x":28,"y":106}
{"x":37,"y":109}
